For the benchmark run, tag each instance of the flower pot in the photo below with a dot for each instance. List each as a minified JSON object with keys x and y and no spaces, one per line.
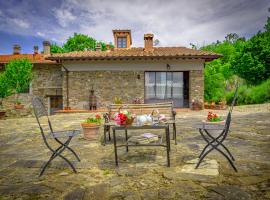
{"x":90,"y":130}
{"x":2,"y":114}
{"x":18,"y":106}
{"x":213,"y":131}
{"x":213,"y":105}
{"x":206,"y":105}
{"x":67,"y":108}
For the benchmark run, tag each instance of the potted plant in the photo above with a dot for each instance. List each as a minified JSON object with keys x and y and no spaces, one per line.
{"x":206,"y":105}
{"x":18,"y":105}
{"x":91,"y":127}
{"x":213,"y":118}
{"x":2,"y":112}
{"x":117,"y":100}
{"x":196,"y":105}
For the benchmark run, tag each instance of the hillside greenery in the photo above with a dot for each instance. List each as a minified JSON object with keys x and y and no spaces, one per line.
{"x":244,"y":61}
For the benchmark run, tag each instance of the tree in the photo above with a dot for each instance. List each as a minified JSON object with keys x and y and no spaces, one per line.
{"x":252,"y":62}
{"x":18,"y":75}
{"x":4,"y":88}
{"x":81,"y":42}
{"x":56,"y":49}
{"x":78,"y":42}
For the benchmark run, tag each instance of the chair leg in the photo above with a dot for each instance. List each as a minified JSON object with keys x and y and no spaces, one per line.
{"x":56,"y":153}
{"x":69,"y":148}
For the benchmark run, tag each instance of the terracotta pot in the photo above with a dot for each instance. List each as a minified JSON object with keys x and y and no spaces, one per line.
{"x":90,"y":131}
{"x":213,"y":105}
{"x":2,"y":114}
{"x":67,"y":108}
{"x":206,"y":105}
{"x":18,"y":106}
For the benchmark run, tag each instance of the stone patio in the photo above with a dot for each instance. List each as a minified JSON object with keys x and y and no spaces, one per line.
{"x":142,"y":172}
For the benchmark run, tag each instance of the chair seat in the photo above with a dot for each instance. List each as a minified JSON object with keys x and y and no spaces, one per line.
{"x":62,"y":134}
{"x":208,"y":126}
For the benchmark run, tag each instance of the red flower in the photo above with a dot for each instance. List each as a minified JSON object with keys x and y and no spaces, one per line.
{"x":98,"y":116}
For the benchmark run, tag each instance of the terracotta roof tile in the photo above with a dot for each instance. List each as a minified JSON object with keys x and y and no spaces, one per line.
{"x":34,"y":58}
{"x":180,"y":52}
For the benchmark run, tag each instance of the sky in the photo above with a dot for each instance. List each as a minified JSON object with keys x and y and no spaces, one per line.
{"x":173,"y":22}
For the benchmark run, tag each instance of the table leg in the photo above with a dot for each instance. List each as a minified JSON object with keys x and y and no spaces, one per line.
{"x":126,"y":140}
{"x":115,"y":148}
{"x":174,"y":133}
{"x":105,"y":130}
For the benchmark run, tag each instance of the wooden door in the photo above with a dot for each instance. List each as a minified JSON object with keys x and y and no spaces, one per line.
{"x":56,"y":103}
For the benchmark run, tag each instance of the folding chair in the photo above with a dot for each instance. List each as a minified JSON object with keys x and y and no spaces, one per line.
{"x":40,"y":111}
{"x":216,"y":142}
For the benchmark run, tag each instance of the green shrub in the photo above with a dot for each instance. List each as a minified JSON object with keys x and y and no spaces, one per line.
{"x":251,"y":94}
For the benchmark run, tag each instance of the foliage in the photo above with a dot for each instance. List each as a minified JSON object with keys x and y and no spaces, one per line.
{"x":81,"y":42}
{"x":247,"y":59}
{"x":78,"y":42}
{"x":18,"y":74}
{"x":56,"y":49}
{"x":94,"y":120}
{"x":251,"y":94}
{"x":5,"y":90}
{"x":252,"y":62}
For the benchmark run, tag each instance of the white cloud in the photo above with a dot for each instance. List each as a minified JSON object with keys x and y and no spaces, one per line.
{"x":64,"y":16}
{"x":20,"y":22}
{"x":40,"y":34}
{"x":173,"y":22}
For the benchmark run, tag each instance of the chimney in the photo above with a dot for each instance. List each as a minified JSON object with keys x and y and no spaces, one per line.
{"x":98,"y":46}
{"x":148,"y":42}
{"x":46,"y":47}
{"x":35,"y":49}
{"x":16,"y":49}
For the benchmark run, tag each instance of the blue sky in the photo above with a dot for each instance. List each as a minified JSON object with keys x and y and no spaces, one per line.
{"x":173,"y":22}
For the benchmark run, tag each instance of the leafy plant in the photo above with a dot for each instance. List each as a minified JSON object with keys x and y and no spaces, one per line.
{"x":5,"y":89}
{"x":117,"y":100}
{"x":94,"y":120}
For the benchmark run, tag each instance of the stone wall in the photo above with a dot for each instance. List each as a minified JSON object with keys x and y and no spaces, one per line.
{"x":106,"y":84}
{"x":48,"y":80}
{"x":8,"y":105}
{"x":196,"y":86}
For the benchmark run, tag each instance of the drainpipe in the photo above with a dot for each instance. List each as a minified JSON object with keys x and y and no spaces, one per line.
{"x":67,"y":86}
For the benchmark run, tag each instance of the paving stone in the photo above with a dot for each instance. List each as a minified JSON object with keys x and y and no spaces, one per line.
{"x":97,"y":192}
{"x":76,"y":194}
{"x":231,"y":192}
{"x":142,"y":173}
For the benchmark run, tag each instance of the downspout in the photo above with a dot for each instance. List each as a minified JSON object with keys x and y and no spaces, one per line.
{"x":67,"y":85}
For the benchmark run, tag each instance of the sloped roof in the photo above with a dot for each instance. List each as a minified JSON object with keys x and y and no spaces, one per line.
{"x":157,"y":52}
{"x":33,"y":58}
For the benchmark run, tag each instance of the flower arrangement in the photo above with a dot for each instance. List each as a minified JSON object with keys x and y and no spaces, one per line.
{"x":212,"y":117}
{"x":124,"y":118}
{"x":93,"y":120}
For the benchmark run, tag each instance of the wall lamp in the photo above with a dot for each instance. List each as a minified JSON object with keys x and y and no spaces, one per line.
{"x":168,"y":67}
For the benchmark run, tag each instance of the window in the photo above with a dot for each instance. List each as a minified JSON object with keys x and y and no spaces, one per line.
{"x":167,"y":86}
{"x":121,"y":42}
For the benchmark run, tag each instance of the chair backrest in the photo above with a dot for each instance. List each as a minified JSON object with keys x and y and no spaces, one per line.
{"x":229,"y":116}
{"x":165,"y":108}
{"x":40,"y":111}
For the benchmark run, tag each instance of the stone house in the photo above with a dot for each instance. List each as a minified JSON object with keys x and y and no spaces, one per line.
{"x":153,"y":74}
